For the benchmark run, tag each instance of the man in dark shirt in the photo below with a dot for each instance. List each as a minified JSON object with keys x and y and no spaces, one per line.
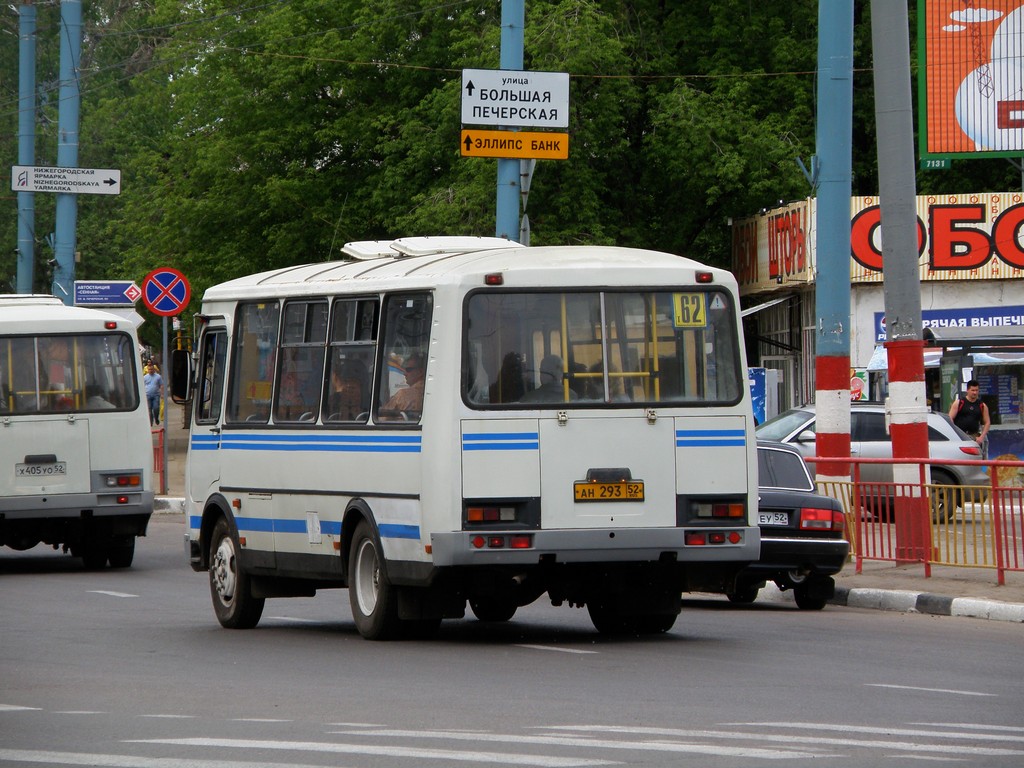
{"x":971,"y":414}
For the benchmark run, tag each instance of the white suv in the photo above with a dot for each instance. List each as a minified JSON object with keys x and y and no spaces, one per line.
{"x":869,"y":439}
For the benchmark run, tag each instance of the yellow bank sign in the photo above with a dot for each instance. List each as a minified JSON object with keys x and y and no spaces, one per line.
{"x":515,"y":144}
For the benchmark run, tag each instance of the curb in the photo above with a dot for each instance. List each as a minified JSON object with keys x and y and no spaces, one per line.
{"x":926,"y":602}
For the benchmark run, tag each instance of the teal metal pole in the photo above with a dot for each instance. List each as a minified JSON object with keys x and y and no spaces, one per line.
{"x":67,"y":147}
{"x":832,"y":284}
{"x":26,"y":143}
{"x":513,"y":15}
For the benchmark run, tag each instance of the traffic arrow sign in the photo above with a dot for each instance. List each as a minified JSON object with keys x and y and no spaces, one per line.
{"x":109,"y":293}
{"x":512,"y":144}
{"x":74,"y":181}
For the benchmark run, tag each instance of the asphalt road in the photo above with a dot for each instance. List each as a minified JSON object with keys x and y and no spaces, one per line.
{"x":130,"y":668}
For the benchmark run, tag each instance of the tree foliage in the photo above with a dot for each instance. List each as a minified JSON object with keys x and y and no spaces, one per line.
{"x":255,"y":136}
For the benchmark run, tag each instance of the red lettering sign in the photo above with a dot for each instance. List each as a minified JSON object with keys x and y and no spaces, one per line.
{"x":954,"y":246}
{"x":1006,"y":236}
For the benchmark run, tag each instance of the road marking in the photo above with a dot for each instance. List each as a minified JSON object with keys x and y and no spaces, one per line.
{"x":542,"y":761}
{"x":112,"y":594}
{"x":591,"y":742}
{"x":552,"y":648}
{"x":259,"y":720}
{"x":942,"y":732}
{"x":973,"y":726}
{"x":958,"y":749}
{"x":170,"y":717}
{"x":130,"y":761}
{"x":928,"y":690}
{"x":16,"y":708}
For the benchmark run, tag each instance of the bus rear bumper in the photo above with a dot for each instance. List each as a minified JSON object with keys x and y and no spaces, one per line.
{"x":471,"y":548}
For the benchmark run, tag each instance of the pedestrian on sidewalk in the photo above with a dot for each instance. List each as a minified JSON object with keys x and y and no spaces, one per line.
{"x":154,"y":392}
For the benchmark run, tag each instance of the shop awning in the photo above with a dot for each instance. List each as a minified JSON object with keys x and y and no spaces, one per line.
{"x":880,"y":362}
{"x":758,"y":307}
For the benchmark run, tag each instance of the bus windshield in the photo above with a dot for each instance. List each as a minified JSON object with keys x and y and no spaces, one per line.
{"x":68,"y":373}
{"x":597,"y":348}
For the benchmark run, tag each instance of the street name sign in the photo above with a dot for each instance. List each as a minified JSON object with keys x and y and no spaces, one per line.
{"x":515,"y":144}
{"x":515,"y":98}
{"x":73,"y":181}
{"x":108,"y":293}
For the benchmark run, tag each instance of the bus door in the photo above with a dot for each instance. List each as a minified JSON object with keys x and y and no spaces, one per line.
{"x":204,"y":464}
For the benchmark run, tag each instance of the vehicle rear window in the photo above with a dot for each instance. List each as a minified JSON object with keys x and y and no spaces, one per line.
{"x":782,"y":469}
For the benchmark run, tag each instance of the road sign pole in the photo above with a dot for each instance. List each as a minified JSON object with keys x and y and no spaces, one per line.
{"x":513,"y":14}
{"x":164,"y":408}
{"x":67,"y":147}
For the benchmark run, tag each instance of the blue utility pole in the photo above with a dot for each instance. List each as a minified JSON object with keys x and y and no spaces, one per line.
{"x":67,"y":147}
{"x":832,"y":283}
{"x":513,"y":15}
{"x":26,"y":143}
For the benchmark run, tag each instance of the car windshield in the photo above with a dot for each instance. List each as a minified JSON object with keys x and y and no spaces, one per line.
{"x":783,"y":425}
{"x":782,"y":469}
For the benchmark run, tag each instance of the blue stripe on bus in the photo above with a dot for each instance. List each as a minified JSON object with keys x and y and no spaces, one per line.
{"x":710,"y":438}
{"x":327,"y":527}
{"x":395,"y":531}
{"x":501,"y":441}
{"x":326,"y":443}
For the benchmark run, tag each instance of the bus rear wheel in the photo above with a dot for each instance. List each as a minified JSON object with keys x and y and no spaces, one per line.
{"x":122,"y":552}
{"x":230,"y":588}
{"x":373,"y":599}
{"x":610,"y":619}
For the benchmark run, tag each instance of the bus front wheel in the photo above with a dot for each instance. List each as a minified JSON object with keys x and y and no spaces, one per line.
{"x":230,"y":588}
{"x":374,"y":601}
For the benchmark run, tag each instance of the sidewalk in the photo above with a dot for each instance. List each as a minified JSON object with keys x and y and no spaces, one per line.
{"x":881,"y":585}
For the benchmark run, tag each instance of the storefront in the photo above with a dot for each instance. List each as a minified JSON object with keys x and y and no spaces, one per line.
{"x":971,"y":261}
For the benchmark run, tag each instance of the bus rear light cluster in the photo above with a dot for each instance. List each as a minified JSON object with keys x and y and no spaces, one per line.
{"x":490,"y":514}
{"x":735,"y":510}
{"x":821,"y":519}
{"x":123,"y":481}
{"x":705,"y":538}
{"x":503,"y":541}
{"x":122,"y":499}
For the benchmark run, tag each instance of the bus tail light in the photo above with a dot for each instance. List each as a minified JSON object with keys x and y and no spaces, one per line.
{"x":123,"y":481}
{"x":719,"y":509}
{"x":490,"y":514}
{"x":712,"y":538}
{"x":503,"y":541}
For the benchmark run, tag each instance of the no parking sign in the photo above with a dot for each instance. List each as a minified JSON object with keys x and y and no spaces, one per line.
{"x":166,"y":292}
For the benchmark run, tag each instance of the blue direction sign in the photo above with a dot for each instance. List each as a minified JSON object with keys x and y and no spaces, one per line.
{"x":107,"y":293}
{"x":165,"y":291}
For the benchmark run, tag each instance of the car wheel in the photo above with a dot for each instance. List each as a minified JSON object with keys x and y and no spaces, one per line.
{"x":230,"y":588}
{"x":374,"y":601}
{"x":122,"y":552}
{"x":807,"y":600}
{"x":946,"y":499}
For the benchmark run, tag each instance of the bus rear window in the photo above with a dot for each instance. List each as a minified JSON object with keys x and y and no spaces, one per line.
{"x":68,"y":373}
{"x":601,"y":348}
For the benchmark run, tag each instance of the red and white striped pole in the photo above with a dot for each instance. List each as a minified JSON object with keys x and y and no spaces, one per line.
{"x":908,"y":427}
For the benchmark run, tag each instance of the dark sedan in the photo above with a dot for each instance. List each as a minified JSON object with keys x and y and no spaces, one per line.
{"x":802,"y":541}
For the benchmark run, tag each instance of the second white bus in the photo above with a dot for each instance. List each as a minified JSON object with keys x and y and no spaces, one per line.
{"x":464,"y":421}
{"x":75,"y":442}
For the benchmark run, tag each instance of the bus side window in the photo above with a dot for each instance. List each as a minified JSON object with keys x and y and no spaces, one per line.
{"x":211,"y":377}
{"x":351,"y":353}
{"x":405,"y":335}
{"x":252,"y":362}
{"x":301,"y":361}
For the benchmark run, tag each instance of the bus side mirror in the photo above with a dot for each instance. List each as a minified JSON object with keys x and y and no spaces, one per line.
{"x":181,"y":376}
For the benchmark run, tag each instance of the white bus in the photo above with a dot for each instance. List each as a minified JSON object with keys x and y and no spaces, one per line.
{"x":75,"y":443}
{"x":464,"y":420}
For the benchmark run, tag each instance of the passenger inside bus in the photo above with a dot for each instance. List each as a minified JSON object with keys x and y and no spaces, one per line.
{"x":347,"y":399}
{"x":509,"y":386}
{"x":551,"y":389}
{"x":408,"y":401}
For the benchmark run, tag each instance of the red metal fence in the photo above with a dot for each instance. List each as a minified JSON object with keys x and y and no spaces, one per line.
{"x":971,"y":526}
